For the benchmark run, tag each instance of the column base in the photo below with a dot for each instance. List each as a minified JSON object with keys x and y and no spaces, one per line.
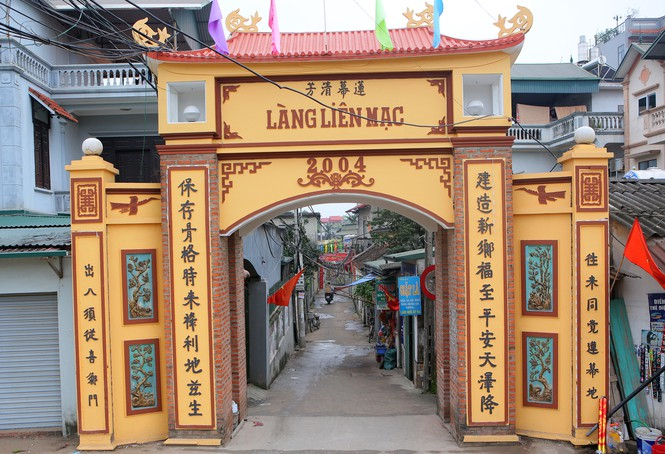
{"x":491,"y":439}
{"x":580,"y":439}
{"x":96,"y":443}
{"x":193,"y":441}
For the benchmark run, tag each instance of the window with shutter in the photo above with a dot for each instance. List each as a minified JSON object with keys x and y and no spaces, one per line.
{"x":40,"y":123}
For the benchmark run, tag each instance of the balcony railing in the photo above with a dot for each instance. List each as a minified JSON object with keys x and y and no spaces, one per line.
{"x":82,"y":78}
{"x":101,"y":76}
{"x":562,"y":130}
{"x":653,"y":122}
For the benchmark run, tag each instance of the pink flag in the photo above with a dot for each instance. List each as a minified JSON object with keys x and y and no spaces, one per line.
{"x":216,"y":28}
{"x":275,"y":34}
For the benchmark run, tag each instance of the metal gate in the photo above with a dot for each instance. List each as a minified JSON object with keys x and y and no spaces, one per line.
{"x":29,"y":362}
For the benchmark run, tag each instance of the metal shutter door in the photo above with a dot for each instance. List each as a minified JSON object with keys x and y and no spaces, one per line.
{"x":29,"y":362}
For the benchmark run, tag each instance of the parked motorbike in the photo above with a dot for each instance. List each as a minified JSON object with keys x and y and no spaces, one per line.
{"x":313,"y":321}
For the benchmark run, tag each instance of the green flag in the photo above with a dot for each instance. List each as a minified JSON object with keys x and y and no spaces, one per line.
{"x":381,"y":30}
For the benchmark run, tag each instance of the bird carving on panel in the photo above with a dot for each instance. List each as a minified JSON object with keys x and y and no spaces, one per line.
{"x":544,"y":197}
{"x":133,"y":206}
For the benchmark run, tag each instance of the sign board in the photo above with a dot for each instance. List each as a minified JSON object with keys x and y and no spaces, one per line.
{"x":389,"y":284}
{"x":333,"y":257}
{"x":409,"y":293}
{"x":656,"y":304}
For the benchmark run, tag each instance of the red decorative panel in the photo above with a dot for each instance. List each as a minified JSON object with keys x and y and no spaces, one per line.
{"x":87,"y":200}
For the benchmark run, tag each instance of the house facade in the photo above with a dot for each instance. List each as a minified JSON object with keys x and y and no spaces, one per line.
{"x":642,"y":74}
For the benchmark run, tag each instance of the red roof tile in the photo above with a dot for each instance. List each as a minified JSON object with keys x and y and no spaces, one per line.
{"x":344,"y":45}
{"x":54,"y":106}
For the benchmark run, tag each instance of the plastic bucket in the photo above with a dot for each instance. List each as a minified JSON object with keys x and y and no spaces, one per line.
{"x":645,"y":438}
{"x":658,"y":446}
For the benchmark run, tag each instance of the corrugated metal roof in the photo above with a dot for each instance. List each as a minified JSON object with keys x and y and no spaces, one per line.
{"x":550,"y":72}
{"x":374,"y":252}
{"x":23,"y":219}
{"x":33,"y":235}
{"x":343,"y":44}
{"x":383,"y":265}
{"x":560,"y":86}
{"x":639,"y":198}
{"x":552,"y":78}
{"x":32,"y":252}
{"x":407,"y":255}
{"x":36,"y":237}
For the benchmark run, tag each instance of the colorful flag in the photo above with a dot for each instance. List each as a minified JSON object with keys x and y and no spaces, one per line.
{"x":381,"y":30}
{"x":392,"y":302}
{"x":637,"y":252}
{"x":437,"y":38}
{"x":216,"y":28}
{"x":283,"y":295}
{"x":275,"y":29}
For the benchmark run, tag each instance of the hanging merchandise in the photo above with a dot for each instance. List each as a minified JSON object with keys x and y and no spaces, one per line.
{"x":650,"y":360}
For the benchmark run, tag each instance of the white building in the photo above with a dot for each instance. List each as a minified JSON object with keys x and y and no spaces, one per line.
{"x":642,"y":73}
{"x":59,"y":85}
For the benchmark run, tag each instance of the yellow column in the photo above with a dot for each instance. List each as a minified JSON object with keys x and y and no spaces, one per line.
{"x":588,"y":166}
{"x":88,"y":179}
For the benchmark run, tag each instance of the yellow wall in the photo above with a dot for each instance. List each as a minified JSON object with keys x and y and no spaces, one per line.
{"x":148,"y":426}
{"x":535,"y":421}
{"x":456,"y":65}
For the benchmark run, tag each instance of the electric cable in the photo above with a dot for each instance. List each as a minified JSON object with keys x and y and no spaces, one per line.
{"x":135,"y":51}
{"x":298,"y":92}
{"x":529,"y":133}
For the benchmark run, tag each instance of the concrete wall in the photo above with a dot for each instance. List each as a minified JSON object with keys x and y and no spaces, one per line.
{"x":270,"y":335}
{"x":34,"y":275}
{"x":608,"y":99}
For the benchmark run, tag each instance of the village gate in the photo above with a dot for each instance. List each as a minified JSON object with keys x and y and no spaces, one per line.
{"x":521,"y":260}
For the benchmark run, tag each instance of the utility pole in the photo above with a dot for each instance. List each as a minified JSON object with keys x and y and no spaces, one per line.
{"x":428,"y":313}
{"x":298,"y":259}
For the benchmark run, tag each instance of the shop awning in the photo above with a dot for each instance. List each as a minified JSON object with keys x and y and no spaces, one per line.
{"x":364,"y":279}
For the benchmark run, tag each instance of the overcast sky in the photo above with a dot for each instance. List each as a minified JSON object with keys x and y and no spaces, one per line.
{"x":553,"y":38}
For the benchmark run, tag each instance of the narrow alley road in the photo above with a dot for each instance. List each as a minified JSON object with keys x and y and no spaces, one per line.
{"x":331,"y":397}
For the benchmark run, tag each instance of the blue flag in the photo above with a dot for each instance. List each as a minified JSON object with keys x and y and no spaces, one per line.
{"x":438,"y":8}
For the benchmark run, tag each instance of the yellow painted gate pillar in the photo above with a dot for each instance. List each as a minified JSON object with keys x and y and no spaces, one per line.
{"x":197,"y":306}
{"x":588,"y":166}
{"x":89,"y":178}
{"x":482,"y":339}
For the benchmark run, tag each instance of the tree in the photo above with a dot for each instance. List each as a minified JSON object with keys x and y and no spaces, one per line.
{"x":540,"y":362}
{"x":396,"y":232}
{"x":539,"y":275}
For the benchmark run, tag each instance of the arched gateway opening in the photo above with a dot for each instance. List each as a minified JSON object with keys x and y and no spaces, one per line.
{"x":418,"y":129}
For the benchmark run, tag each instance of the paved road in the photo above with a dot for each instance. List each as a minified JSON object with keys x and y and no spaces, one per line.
{"x":331,"y":397}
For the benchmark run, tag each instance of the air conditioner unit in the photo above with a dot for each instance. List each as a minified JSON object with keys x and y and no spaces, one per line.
{"x":616,"y":164}
{"x":62,"y":203}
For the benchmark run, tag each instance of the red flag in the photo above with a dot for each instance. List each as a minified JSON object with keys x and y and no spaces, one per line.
{"x":636,"y":251}
{"x":283,"y":295}
{"x":392,"y":302}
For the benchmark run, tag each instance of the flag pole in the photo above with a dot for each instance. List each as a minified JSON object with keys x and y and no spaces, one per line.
{"x":617,"y":273}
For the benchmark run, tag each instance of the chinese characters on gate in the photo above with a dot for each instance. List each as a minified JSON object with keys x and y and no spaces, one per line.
{"x":592,"y":282}
{"x":486,"y":256}
{"x":191,"y":308}
{"x":91,"y":352}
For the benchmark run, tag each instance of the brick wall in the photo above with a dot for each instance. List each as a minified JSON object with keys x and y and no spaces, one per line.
{"x":442,"y":320}
{"x":237,"y":318}
{"x":220,"y":274}
{"x":454,"y":242}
